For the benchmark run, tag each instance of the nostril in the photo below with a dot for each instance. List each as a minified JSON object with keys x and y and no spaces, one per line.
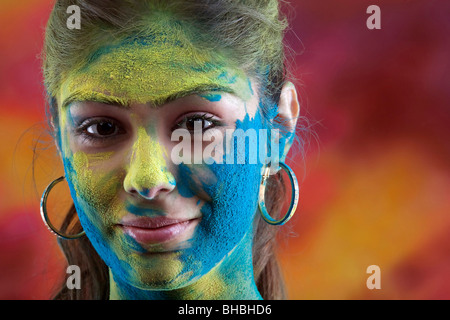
{"x":144,"y":192}
{"x":152,"y":193}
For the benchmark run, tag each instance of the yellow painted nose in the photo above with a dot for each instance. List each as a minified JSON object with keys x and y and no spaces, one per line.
{"x":147,"y":173}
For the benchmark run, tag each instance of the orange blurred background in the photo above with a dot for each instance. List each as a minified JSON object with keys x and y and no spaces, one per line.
{"x":375,"y":184}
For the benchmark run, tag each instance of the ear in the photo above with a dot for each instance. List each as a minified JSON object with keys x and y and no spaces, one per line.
{"x":288,"y":112}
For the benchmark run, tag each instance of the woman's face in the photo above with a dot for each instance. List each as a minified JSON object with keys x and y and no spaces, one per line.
{"x":156,"y":223}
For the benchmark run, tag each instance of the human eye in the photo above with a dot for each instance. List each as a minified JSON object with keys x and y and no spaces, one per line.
{"x":202,"y":121}
{"x":98,"y":130}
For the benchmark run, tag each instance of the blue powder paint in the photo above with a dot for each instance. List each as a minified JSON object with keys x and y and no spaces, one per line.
{"x":250,"y":86}
{"x":170,"y":177}
{"x":270,"y":109}
{"x":212,"y":97}
{"x":205,"y":67}
{"x":185,"y":184}
{"x":147,"y":212}
{"x":230,"y":213}
{"x":225,"y":76}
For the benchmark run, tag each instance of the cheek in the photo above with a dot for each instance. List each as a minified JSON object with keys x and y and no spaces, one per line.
{"x":235,"y":191}
{"x":228,"y":214}
{"x":94,"y":192}
{"x":94,"y":188}
{"x":226,"y":219}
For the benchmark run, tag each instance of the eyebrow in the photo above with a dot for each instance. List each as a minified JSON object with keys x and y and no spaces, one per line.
{"x":124,"y":103}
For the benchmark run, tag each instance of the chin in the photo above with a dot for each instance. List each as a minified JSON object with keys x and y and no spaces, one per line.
{"x":158,"y":271}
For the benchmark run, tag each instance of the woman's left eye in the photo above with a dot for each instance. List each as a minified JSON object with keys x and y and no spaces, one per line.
{"x":198,"y":121}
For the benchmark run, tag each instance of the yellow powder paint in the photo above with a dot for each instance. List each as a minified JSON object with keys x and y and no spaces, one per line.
{"x":164,"y":269}
{"x":63,"y":124}
{"x":150,"y":72}
{"x":80,"y":164}
{"x":208,"y":287}
{"x":147,"y":167}
{"x":97,"y":188}
{"x":99,"y":156}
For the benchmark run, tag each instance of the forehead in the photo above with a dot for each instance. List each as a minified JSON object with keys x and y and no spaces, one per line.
{"x":149,"y":69}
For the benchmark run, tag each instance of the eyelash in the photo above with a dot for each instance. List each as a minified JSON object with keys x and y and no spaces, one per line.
{"x":81,"y":129}
{"x":197,"y":117}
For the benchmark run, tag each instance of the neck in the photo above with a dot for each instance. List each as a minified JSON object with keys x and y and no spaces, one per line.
{"x":231,"y":279}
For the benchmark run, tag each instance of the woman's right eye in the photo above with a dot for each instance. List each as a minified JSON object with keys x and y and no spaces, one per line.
{"x":103,"y":129}
{"x":98,"y":129}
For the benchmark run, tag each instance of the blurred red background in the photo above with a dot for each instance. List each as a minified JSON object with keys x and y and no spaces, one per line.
{"x":375,"y":183}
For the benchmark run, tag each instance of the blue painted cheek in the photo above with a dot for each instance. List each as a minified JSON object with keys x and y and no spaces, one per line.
{"x":229,"y":215}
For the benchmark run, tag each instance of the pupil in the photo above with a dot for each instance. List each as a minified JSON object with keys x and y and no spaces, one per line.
{"x":105,"y":128}
{"x":191,"y":122}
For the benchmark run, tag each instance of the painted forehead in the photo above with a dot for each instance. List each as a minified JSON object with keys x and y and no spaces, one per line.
{"x":151,"y":69}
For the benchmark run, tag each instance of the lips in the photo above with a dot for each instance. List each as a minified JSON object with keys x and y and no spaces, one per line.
{"x":146,"y":230}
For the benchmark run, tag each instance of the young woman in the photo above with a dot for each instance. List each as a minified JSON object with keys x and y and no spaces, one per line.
{"x":136,"y":72}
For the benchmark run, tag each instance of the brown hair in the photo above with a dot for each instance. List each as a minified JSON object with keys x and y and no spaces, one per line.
{"x":251,"y":31}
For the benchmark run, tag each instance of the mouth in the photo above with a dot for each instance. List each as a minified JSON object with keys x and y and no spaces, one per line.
{"x":157,"y":230}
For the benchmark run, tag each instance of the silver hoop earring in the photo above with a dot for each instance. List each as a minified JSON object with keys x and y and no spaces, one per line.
{"x":44,"y":215}
{"x":294,"y":201}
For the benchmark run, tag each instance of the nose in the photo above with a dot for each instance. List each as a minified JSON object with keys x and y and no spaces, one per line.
{"x":147,"y":174}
